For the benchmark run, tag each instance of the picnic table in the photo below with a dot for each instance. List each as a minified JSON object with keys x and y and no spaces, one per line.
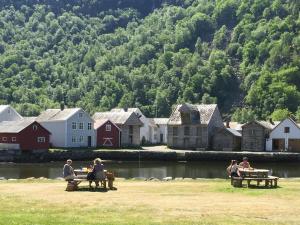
{"x":258,"y":175}
{"x":81,"y":175}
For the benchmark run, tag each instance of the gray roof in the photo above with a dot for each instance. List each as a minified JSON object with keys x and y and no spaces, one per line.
{"x":264,"y":124}
{"x":205,"y":111}
{"x":15,"y":126}
{"x":161,"y":121}
{"x":3,"y":107}
{"x":57,"y":114}
{"x":234,"y":132}
{"x":128,"y":118}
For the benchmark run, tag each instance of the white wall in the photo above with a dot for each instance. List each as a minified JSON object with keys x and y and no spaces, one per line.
{"x":85,"y":119}
{"x":57,"y":130}
{"x":163,"y":129}
{"x":10,"y":114}
{"x":278,"y":133}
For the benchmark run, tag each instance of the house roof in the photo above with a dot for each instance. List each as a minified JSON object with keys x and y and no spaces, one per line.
{"x":15,"y":126}
{"x":264,"y":124}
{"x":234,"y":132}
{"x":234,"y":125}
{"x":128,"y":118}
{"x":205,"y":111}
{"x":278,"y":123}
{"x":57,"y":114}
{"x":101,"y":122}
{"x":3,"y":107}
{"x":161,"y":121}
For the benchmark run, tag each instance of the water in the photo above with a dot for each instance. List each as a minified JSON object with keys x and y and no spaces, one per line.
{"x":145,"y":169}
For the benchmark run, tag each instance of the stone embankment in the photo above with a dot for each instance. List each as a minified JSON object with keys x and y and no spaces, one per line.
{"x":144,"y":155}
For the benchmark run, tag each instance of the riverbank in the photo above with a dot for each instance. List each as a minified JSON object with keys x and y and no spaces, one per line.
{"x":149,"y":202}
{"x":153,"y":154}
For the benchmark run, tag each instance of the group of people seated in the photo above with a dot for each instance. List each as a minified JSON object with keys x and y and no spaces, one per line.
{"x":96,"y":173}
{"x":234,"y":167}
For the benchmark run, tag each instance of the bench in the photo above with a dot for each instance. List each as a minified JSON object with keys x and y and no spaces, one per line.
{"x":270,"y":181}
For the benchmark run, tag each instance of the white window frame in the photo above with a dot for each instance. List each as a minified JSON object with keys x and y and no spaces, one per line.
{"x":80,"y":115}
{"x":41,"y":139}
{"x":73,"y":139}
{"x":81,"y":139}
{"x":13,"y":139}
{"x":74,"y":126}
{"x":108,"y":127}
{"x":4,"y":138}
{"x":89,"y":126}
{"x":80,"y":126}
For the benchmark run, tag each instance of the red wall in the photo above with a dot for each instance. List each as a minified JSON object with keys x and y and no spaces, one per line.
{"x":114,"y":134}
{"x":27,"y":138}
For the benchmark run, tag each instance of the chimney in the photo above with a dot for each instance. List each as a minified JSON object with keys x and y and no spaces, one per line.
{"x":62,"y":106}
{"x":227,"y":123}
{"x":271,"y":121}
{"x":126,"y":109}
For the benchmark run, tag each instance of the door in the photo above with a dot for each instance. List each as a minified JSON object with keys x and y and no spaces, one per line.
{"x":161,"y":138}
{"x":89,"y":141}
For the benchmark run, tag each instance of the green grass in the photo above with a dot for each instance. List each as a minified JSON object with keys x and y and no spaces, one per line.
{"x":155,"y":202}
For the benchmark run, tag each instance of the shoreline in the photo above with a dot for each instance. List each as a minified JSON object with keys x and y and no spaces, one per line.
{"x":144,"y":155}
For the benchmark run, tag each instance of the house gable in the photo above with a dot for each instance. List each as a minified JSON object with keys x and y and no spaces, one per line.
{"x":287,"y":127}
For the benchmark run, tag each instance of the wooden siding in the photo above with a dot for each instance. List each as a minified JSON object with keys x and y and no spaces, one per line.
{"x":224,"y":140}
{"x":254,"y":137}
{"x":106,"y":138}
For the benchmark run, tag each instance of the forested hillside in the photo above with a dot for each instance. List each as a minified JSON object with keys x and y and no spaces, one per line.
{"x":242,"y":54}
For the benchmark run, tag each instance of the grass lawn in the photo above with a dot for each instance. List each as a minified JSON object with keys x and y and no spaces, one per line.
{"x":149,"y":202}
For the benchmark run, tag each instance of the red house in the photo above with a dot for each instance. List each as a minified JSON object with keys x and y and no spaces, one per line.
{"x":108,"y":134}
{"x":25,"y":134}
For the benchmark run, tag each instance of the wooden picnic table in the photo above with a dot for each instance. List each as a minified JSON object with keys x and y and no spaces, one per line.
{"x":81,"y":174}
{"x":257,"y":175}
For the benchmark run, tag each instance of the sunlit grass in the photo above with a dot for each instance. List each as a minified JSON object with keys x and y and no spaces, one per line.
{"x":155,"y":202}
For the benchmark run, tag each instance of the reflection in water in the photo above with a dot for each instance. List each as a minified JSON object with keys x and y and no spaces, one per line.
{"x":161,"y":169}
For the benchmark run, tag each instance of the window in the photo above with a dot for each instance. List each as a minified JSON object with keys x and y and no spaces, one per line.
{"x":108,"y":127}
{"x":8,"y":111}
{"x":185,"y":118}
{"x":4,"y":138}
{"x":34,"y":127}
{"x":252,"y":131}
{"x":81,"y":139}
{"x":286,"y":130}
{"x":80,"y":126}
{"x":80,"y":115}
{"x":13,"y":139}
{"x":41,"y":139}
{"x":186,"y":130}
{"x":73,"y":125}
{"x":175,"y":131}
{"x":73,"y":139}
{"x":89,"y":126}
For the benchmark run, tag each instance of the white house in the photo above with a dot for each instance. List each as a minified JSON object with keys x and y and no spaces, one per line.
{"x":70,"y":128}
{"x":284,"y":137}
{"x":8,"y":113}
{"x":162,"y":129}
{"x":148,"y":130}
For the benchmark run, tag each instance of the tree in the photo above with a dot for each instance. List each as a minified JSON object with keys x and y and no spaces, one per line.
{"x":280,"y":114}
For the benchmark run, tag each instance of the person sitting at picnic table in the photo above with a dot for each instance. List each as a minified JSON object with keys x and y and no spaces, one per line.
{"x":245,"y":164}
{"x":98,"y":172}
{"x":68,"y":172}
{"x":233,"y":169}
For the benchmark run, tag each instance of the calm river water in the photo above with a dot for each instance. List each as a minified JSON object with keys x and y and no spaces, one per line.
{"x":145,"y":169}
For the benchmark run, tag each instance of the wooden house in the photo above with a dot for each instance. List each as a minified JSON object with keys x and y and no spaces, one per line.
{"x":192,"y":126}
{"x":162,"y":129}
{"x":254,"y":135}
{"x":128,"y":122}
{"x":70,"y":127}
{"x":25,"y":134}
{"x":284,"y":137}
{"x":108,"y":134}
{"x":227,"y":139}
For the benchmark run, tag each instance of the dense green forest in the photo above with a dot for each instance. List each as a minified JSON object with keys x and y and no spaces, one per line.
{"x":242,"y":54}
